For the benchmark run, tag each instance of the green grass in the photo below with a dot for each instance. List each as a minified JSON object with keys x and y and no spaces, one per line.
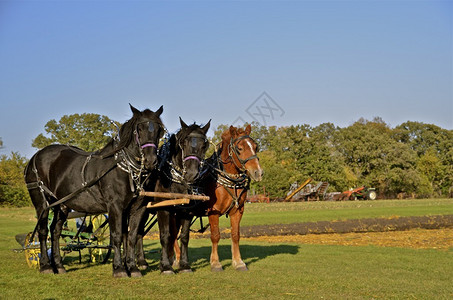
{"x":277,"y":270}
{"x":297,"y":212}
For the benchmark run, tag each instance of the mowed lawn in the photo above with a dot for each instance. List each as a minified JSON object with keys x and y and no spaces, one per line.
{"x":277,"y":270}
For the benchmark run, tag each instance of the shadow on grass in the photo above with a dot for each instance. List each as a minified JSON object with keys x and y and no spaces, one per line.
{"x":199,"y":256}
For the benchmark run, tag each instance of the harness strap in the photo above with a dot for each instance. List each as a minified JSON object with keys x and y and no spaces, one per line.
{"x":84,"y":188}
{"x":235,"y":201}
{"x":43,"y":189}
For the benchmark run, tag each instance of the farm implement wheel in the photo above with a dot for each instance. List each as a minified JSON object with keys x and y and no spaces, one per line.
{"x":371,"y":195}
{"x":32,"y":251}
{"x":100,"y":252}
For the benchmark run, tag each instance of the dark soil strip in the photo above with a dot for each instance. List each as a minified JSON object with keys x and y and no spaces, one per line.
{"x":359,"y":225}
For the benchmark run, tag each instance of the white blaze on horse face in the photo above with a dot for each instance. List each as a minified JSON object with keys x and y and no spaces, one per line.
{"x":251,"y":147}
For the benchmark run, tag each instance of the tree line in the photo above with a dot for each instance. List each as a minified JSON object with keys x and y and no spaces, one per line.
{"x":413,"y":159}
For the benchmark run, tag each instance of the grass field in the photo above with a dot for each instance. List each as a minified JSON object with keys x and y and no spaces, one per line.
{"x":277,"y":270}
{"x":297,"y":212}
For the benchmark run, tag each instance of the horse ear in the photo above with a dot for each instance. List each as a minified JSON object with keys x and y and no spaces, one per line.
{"x":159,"y":111}
{"x":134,"y":110}
{"x":248,"y":129}
{"x":233,"y":131}
{"x":183,"y":125}
{"x":205,"y":128}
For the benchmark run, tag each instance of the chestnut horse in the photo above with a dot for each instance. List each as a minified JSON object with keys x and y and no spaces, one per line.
{"x":231,"y":167}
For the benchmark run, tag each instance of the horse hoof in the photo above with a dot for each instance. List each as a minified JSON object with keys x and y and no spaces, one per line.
{"x":142,"y":266}
{"x":216,"y":269}
{"x":186,"y":271}
{"x":120,"y":273}
{"x":136,"y":274}
{"x":46,"y":271}
{"x":61,"y":271}
{"x":168,"y":272}
{"x":242,"y":268}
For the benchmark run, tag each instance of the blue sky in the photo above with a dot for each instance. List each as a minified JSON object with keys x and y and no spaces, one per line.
{"x":317,"y":62}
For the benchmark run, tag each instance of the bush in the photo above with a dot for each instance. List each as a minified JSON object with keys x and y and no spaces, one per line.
{"x":13,"y":191}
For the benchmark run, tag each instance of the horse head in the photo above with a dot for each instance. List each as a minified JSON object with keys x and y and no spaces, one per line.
{"x":192,"y":144}
{"x":243,"y":150}
{"x":142,"y":133}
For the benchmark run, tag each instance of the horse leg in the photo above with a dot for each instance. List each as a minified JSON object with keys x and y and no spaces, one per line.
{"x":45,"y":266}
{"x":175,"y":255}
{"x":116,"y":232}
{"x":177,"y":251}
{"x":136,"y":215}
{"x":215,"y":238}
{"x":184,"y":265}
{"x":139,"y":251}
{"x":166,"y":241}
{"x":235,"y":220}
{"x":60,"y":215}
{"x":40,"y":204}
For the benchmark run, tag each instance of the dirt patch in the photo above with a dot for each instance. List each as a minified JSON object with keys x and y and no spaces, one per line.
{"x":441,"y":239}
{"x":424,"y":232}
{"x":346,"y":226}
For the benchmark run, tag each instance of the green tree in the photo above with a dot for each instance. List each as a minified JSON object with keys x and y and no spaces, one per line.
{"x":13,"y":191}
{"x":432,"y":171}
{"x":434,"y":147}
{"x":87,"y":131}
{"x":378,"y":160}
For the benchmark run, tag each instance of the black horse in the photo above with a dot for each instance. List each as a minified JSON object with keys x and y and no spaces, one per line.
{"x":64,"y":177}
{"x":180,"y":167}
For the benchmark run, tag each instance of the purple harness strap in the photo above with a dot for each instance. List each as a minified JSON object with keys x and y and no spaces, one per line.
{"x":192,"y":157}
{"x":148,"y":145}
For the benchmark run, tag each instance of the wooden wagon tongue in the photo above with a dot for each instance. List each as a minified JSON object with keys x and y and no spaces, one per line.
{"x":172,"y":198}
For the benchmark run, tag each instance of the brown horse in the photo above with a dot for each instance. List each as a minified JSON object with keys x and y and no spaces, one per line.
{"x":231,"y":168}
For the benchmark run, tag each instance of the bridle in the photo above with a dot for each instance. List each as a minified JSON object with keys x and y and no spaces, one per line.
{"x":233,"y":149}
{"x":137,"y":138}
{"x":177,"y":173}
{"x":138,"y":174}
{"x":192,"y":156}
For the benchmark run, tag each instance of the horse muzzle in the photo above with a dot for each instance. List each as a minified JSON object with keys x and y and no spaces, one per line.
{"x":256,"y":175}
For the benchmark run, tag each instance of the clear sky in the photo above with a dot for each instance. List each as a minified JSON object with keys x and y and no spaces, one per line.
{"x":280,"y":62}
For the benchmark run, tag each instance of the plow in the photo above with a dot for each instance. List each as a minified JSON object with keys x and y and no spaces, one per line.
{"x":92,"y":231}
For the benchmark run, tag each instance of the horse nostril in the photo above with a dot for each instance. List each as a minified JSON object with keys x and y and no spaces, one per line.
{"x":258,"y":174}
